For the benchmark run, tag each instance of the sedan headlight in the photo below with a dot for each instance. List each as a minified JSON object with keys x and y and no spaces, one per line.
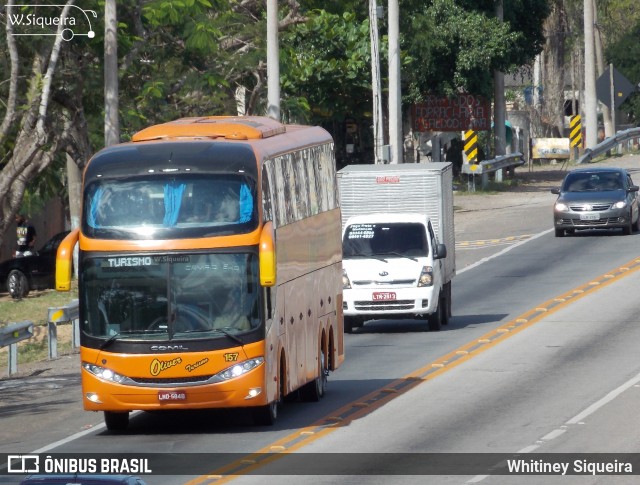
{"x":620,"y":204}
{"x":561,"y":206}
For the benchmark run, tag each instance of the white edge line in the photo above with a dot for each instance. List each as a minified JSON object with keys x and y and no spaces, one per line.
{"x":606,"y":399}
{"x":73,"y":437}
{"x":506,"y":250}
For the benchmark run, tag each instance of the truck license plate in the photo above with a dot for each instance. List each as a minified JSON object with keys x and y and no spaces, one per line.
{"x":590,"y":217}
{"x":384,"y":295}
{"x":168,"y":396}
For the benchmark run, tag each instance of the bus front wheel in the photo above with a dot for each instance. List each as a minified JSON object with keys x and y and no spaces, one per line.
{"x":116,"y":421}
{"x":267,"y":415}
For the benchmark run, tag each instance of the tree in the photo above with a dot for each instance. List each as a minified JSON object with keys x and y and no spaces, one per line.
{"x":41,"y":119}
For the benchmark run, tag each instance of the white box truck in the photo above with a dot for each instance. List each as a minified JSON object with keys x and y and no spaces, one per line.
{"x":398,"y":242}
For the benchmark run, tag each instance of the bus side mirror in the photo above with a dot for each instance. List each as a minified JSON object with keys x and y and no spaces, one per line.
{"x":64,"y":261}
{"x":267,"y":254}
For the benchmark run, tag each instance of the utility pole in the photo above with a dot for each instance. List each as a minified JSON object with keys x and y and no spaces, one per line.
{"x":273,"y":61}
{"x":590,"y":103}
{"x":378,"y":134}
{"x":395,"y":95}
{"x":606,"y":112}
{"x":111,"y":123}
{"x":499,"y":106}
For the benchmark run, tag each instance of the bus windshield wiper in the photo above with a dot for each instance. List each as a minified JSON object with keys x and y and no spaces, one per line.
{"x":233,"y":337}
{"x":109,"y":341}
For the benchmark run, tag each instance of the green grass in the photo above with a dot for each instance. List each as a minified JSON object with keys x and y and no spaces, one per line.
{"x":35,"y":308}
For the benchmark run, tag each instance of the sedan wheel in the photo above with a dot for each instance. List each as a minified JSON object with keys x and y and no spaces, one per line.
{"x":17,"y":284}
{"x":559,"y":232}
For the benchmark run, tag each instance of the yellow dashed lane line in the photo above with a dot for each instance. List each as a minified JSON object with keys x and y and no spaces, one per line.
{"x":483,"y":243}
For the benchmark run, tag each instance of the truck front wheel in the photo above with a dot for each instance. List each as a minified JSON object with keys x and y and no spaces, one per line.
{"x":352,"y":322}
{"x":436,"y":318}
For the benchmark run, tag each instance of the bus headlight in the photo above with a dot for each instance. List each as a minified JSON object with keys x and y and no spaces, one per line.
{"x":103,"y":373}
{"x":426,"y":276}
{"x":239,"y":369}
{"x":346,"y":284}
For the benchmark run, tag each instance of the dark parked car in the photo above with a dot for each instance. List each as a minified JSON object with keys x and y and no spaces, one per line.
{"x":18,"y":276}
{"x":596,"y":198}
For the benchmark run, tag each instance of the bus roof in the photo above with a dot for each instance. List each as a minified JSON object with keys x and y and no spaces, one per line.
{"x":229,"y":127}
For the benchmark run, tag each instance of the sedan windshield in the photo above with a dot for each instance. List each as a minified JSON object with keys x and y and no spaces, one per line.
{"x":593,"y":182}
{"x":164,"y":297}
{"x":392,"y":240}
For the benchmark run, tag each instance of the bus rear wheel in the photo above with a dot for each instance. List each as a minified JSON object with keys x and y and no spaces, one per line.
{"x":116,"y":421}
{"x":314,"y":391}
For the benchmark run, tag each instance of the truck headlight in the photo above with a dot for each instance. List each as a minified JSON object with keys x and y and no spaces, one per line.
{"x":426,"y":276}
{"x":346,"y":284}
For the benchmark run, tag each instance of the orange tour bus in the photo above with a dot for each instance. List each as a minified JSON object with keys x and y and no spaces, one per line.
{"x":209,"y":268}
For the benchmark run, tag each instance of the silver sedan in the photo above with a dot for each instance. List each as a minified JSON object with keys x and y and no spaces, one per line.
{"x":596,"y":198}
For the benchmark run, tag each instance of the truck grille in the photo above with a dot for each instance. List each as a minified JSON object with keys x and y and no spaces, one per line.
{"x":385,"y":283}
{"x":384,"y":305}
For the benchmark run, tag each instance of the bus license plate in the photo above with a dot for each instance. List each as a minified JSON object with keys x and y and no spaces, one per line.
{"x":165,"y":396}
{"x":384,"y":295}
{"x":590,"y":217}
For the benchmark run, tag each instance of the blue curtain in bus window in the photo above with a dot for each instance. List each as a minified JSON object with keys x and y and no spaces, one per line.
{"x":246,"y":204}
{"x":92,"y":217}
{"x":172,"y":201}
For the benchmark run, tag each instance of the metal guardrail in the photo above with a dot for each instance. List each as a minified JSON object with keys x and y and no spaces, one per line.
{"x":67,"y":313}
{"x":12,"y":334}
{"x":489,"y":166}
{"x":609,"y":143}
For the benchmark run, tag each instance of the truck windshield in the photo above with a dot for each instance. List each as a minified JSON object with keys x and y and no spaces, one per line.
{"x":162,"y":297}
{"x":164,"y":207}
{"x":402,"y":239}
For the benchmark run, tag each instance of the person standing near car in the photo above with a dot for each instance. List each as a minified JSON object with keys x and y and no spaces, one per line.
{"x":25,"y":237}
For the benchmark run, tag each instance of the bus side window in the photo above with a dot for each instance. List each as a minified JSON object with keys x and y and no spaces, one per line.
{"x":266,"y":193}
{"x":283,"y":211}
{"x":301,"y":183}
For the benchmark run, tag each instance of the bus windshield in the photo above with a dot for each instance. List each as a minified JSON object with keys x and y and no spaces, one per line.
{"x":170,"y":207}
{"x":164,"y":297}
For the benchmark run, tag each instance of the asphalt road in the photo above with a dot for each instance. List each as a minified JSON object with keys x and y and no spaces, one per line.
{"x":543,"y":332}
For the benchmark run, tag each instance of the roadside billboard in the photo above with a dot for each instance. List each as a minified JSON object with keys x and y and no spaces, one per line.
{"x":457,"y":113}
